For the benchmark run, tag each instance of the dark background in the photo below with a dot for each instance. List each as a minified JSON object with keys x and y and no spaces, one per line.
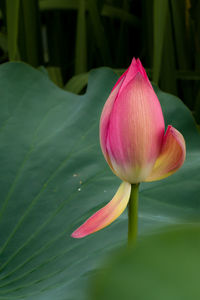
{"x":70,"y":37}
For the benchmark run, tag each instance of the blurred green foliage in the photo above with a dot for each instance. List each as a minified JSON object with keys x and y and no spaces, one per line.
{"x":69,"y":37}
{"x":163,"y":266}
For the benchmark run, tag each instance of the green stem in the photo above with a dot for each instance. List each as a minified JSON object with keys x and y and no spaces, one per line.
{"x":133,"y":214}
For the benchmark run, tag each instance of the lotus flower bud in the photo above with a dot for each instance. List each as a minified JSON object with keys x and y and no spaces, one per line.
{"x":134,"y":142}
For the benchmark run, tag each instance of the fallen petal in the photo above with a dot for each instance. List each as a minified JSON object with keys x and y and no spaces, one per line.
{"x":107,"y":214}
{"x":172,"y":155}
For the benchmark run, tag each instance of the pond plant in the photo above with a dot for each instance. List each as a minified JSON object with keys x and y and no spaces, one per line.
{"x":135,"y":145}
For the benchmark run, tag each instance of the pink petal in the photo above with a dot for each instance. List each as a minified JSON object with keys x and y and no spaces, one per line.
{"x":107,"y":214}
{"x":105,"y":118}
{"x":135,"y":130}
{"x":135,"y":68}
{"x":172,"y":155}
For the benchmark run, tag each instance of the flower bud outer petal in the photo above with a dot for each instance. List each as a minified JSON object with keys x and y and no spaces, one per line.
{"x":172,"y":155}
{"x":135,"y":68}
{"x":136,"y":130}
{"x":107,"y":214}
{"x":131,"y":72}
{"x":105,"y":118}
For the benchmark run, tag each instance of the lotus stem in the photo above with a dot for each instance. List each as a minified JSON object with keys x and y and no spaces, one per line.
{"x":133,"y":214}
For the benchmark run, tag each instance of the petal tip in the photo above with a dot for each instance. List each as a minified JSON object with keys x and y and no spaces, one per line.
{"x":77,"y":234}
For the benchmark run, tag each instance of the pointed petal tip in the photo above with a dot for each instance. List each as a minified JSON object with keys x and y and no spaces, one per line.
{"x":77,"y":234}
{"x":106,"y":215}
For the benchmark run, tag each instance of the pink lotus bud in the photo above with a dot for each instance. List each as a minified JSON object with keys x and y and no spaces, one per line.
{"x":132,"y":127}
{"x":134,"y":142}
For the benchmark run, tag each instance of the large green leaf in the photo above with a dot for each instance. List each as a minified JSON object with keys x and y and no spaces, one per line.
{"x":53,"y":176}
